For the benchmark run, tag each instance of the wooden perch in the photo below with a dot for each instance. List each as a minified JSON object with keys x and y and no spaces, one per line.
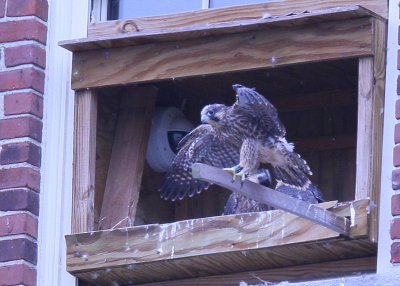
{"x":273,"y":198}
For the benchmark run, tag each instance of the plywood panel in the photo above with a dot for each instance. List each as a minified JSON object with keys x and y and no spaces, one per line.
{"x":108,"y":102}
{"x":245,"y":12}
{"x":274,"y":47}
{"x":127,"y":159}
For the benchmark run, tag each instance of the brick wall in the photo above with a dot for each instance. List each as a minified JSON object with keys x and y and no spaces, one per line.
{"x":395,"y":201}
{"x":23,"y":33}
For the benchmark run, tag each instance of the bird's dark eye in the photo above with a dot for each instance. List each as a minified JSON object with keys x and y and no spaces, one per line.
{"x":210,"y":112}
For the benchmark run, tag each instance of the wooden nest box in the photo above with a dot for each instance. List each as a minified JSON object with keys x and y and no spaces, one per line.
{"x":324,"y":71}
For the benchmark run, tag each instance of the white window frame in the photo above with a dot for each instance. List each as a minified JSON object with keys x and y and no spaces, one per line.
{"x":67,"y":20}
{"x":385,"y":217}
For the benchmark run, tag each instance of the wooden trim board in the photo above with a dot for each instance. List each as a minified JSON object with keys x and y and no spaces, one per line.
{"x":241,"y":51}
{"x":370,"y":121}
{"x":217,"y":29}
{"x":245,"y":241}
{"x":84,"y":161}
{"x":237,"y":13}
{"x":293,"y":273}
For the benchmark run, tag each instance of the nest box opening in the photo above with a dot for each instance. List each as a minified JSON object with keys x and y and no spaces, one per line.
{"x":317,"y":102}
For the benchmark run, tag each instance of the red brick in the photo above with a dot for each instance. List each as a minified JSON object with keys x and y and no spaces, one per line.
{"x":2,"y":8}
{"x":37,"y":8}
{"x":17,"y":274}
{"x":19,"y":178}
{"x":395,"y":228}
{"x":398,"y":109}
{"x":26,"y":54}
{"x":398,"y":85}
{"x":397,"y":133}
{"x":398,"y":59}
{"x":19,"y":153}
{"x":396,"y":156}
{"x":19,"y":30}
{"x":23,"y":126}
{"x":20,"y":103}
{"x":18,"y":224}
{"x":396,"y":179}
{"x":19,"y":200}
{"x":22,"y":78}
{"x":395,"y":252}
{"x":18,"y":248}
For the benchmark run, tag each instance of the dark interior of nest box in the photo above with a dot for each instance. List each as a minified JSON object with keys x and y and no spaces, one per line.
{"x":317,"y":103}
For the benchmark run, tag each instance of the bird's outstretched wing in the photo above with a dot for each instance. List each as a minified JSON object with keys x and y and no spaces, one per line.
{"x":250,"y":101}
{"x":202,"y":145}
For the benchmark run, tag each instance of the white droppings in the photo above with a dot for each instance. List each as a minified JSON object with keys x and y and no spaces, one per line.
{"x":273,"y":59}
{"x":94,"y":275}
{"x":266,"y":15}
{"x":173,"y":251}
{"x":146,"y":236}
{"x":173,"y":230}
{"x":131,"y":266}
{"x":85,"y":256}
{"x":108,"y":270}
{"x":244,"y":252}
{"x":370,"y":207}
{"x":352,"y":215}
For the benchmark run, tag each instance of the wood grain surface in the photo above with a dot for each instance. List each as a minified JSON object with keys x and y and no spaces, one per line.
{"x":210,"y":55}
{"x":243,"y":12}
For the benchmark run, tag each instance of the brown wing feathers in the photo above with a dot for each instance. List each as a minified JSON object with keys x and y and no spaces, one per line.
{"x":202,"y":145}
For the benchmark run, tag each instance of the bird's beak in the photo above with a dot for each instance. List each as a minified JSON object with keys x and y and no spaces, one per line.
{"x":204,"y":118}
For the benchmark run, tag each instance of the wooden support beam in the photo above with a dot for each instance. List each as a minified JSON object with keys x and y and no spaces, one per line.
{"x":215,"y":245}
{"x":273,"y":8}
{"x":84,"y":161}
{"x":271,"y":197}
{"x":370,"y":121}
{"x":248,"y":50}
{"x":127,"y":159}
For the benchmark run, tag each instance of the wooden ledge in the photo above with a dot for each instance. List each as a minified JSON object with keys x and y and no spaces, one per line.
{"x":205,"y":30}
{"x":215,"y":245}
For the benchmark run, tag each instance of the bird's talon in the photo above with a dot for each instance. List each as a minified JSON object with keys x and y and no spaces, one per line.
{"x":235,"y":171}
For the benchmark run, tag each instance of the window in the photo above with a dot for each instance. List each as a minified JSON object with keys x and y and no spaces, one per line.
{"x":291,"y":60}
{"x":124,"y":9}
{"x":227,"y":3}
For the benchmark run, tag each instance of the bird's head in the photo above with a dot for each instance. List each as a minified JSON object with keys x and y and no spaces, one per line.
{"x":213,"y":114}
